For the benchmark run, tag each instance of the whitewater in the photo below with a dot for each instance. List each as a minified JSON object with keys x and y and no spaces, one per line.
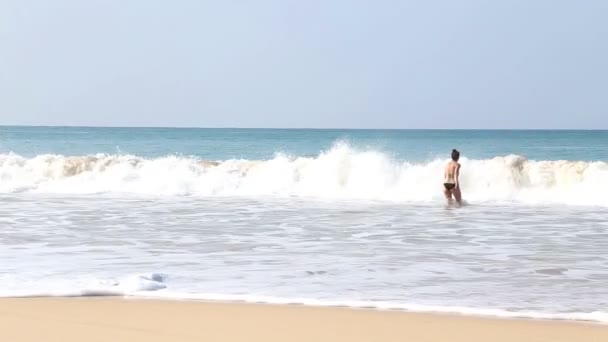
{"x":341,"y":172}
{"x":315,"y":217}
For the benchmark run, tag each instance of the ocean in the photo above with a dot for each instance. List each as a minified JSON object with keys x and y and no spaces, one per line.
{"x":331,"y":217}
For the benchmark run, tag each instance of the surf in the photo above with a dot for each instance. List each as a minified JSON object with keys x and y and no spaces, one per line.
{"x":341,"y":172}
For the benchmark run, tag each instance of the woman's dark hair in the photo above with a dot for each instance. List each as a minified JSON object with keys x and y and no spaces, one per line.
{"x":455,"y":155}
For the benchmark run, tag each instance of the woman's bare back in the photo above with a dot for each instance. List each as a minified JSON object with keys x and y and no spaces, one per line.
{"x":451,"y":171}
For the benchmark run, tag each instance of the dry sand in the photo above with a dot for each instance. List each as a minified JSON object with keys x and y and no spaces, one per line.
{"x":113,"y":319}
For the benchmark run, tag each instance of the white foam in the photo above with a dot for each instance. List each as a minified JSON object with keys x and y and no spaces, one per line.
{"x":87,"y":287}
{"x":339,"y":173}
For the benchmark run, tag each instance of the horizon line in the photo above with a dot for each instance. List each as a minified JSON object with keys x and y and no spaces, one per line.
{"x":312,"y":128}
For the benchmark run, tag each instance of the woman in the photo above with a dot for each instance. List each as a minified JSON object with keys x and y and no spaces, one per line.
{"x":451,"y":179}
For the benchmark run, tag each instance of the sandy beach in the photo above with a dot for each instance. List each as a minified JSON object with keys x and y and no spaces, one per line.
{"x":113,"y":319}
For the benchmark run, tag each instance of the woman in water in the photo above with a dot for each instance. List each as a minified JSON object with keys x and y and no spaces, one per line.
{"x":451,"y":179}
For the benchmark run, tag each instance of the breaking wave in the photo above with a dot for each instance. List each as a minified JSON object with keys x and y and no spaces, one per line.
{"x":341,"y":172}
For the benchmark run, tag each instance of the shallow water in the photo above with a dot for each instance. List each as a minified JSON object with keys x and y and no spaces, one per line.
{"x":512,"y":258}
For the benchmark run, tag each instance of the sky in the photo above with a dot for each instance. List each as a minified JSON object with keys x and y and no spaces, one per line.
{"x":305,"y":64}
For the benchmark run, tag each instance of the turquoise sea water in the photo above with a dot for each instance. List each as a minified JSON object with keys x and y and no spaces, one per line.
{"x":413,"y":145}
{"x":321,"y":217}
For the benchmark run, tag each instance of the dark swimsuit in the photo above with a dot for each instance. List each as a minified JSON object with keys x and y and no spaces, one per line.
{"x":449,"y":186}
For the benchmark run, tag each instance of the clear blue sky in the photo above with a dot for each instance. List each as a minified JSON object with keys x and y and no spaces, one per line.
{"x":296,"y":63}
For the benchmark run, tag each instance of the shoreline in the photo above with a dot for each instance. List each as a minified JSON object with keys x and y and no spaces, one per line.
{"x":483,"y":313}
{"x":134,"y":319}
